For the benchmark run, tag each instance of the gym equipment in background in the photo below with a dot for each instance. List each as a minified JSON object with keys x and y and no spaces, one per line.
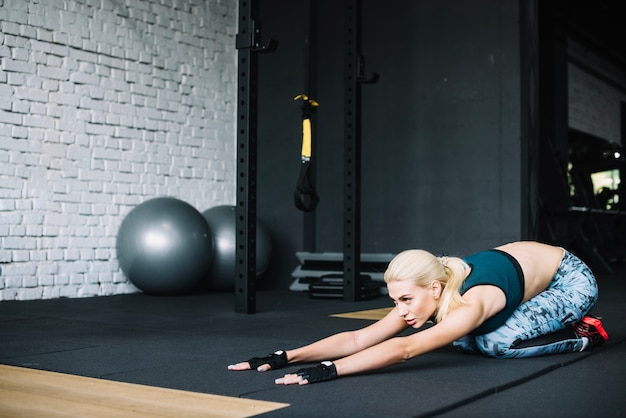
{"x":321,"y":274}
{"x":222,"y":223}
{"x":305,"y":197}
{"x":164,"y":246}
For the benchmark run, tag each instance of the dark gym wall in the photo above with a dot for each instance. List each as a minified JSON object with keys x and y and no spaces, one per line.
{"x":440,"y":133}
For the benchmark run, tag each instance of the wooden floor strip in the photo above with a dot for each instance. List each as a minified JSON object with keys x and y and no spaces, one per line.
{"x":36,"y":393}
{"x":373,"y":314}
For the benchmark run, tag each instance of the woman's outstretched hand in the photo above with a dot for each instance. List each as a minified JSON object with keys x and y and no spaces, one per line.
{"x":273,"y":361}
{"x":326,"y":370}
{"x":291,"y":379}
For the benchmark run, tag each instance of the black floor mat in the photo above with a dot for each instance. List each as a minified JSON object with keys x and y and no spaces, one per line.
{"x":186,"y":342}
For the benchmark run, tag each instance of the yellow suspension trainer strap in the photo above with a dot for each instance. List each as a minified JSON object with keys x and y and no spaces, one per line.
{"x":305,"y":197}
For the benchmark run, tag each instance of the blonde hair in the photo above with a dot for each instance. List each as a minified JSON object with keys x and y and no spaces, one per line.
{"x":423,"y":268}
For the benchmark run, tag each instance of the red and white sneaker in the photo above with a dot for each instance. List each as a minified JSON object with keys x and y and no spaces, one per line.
{"x":591,"y":328}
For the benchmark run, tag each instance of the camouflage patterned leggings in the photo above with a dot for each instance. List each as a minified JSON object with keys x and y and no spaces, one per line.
{"x":571,"y":295}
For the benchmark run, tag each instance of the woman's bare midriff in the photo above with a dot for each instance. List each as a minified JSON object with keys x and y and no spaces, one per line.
{"x":538,"y":261}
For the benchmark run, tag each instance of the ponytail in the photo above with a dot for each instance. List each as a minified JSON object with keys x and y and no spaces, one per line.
{"x":456,"y":271}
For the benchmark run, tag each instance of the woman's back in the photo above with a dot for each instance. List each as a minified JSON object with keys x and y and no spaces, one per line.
{"x":539,"y":263}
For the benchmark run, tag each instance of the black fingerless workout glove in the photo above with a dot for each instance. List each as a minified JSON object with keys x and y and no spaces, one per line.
{"x":278,"y":360}
{"x":326,"y":370}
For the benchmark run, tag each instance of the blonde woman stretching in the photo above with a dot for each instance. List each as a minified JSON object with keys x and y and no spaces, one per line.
{"x":503,"y":303}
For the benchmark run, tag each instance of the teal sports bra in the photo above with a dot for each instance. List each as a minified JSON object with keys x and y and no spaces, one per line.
{"x":500,"y":269}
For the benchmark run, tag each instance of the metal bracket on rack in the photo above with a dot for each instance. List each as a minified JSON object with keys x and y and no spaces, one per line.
{"x":250,"y":38}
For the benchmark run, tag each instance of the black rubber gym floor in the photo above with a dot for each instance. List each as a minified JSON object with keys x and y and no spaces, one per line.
{"x":187,"y":342}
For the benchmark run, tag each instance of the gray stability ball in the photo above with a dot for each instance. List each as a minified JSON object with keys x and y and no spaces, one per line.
{"x":222,"y":223}
{"x":164,"y":246}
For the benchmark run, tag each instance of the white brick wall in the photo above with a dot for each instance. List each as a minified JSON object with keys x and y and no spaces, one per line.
{"x":105,"y":104}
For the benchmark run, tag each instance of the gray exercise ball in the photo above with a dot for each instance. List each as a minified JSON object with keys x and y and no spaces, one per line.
{"x":222,"y":223}
{"x":164,"y":246}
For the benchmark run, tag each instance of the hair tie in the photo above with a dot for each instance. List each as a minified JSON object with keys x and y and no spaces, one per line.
{"x":444,"y":261}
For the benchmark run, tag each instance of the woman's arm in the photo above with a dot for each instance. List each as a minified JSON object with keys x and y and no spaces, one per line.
{"x":457,"y":324}
{"x":347,"y":343}
{"x":342,"y":344}
{"x":401,"y":349}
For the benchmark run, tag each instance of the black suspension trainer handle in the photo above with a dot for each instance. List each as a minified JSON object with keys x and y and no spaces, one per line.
{"x":305,"y":196}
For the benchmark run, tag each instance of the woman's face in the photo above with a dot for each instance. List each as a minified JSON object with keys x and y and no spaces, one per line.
{"x":414,"y":304}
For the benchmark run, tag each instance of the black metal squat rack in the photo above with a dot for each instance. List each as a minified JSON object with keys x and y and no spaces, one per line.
{"x":249,"y":45}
